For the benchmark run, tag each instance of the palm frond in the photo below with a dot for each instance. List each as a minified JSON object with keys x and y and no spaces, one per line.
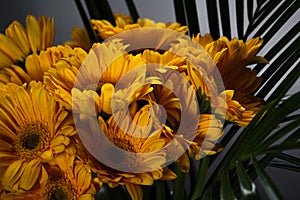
{"x":267,"y":183}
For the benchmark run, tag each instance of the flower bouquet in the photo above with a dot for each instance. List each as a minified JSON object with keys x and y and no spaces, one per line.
{"x":130,"y":108}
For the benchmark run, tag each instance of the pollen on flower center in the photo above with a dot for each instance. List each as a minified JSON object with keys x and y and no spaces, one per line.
{"x":31,"y":139}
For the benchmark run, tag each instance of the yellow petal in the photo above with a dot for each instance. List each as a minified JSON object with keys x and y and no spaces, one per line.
{"x":107,"y":91}
{"x":8,"y":47}
{"x":33,"y":33}
{"x":84,"y":178}
{"x":86,"y":197}
{"x":24,"y":102}
{"x":13,"y":174}
{"x":5,"y":60}
{"x":30,"y":174}
{"x":33,"y":67}
{"x":58,"y":140}
{"x":17,"y":33}
{"x":184,"y":163}
{"x":44,"y":177}
{"x":146,"y":179}
{"x":135,"y":191}
{"x":168,"y":174}
{"x":59,"y":149}
{"x":47,"y":155}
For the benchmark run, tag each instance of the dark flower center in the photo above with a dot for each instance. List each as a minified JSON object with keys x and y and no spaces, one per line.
{"x":31,"y":141}
{"x":59,"y":194}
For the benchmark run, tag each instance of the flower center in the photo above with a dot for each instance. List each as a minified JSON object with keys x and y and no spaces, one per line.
{"x":31,"y":139}
{"x":59,"y":189}
{"x":59,"y":194}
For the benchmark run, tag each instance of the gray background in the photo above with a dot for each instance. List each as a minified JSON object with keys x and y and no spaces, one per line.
{"x":66,"y":17}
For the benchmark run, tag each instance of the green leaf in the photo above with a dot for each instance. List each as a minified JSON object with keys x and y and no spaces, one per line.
{"x":286,"y":60}
{"x":277,"y":136}
{"x":288,"y":82}
{"x":239,"y":9}
{"x":273,"y":17}
{"x":267,"y":183}
{"x":208,"y":194}
{"x":132,"y":10}
{"x":285,"y":165}
{"x":239,"y":146}
{"x":107,"y":193}
{"x":247,"y":187}
{"x":160,"y":190}
{"x":264,"y":162}
{"x":148,"y":192}
{"x":192,"y":174}
{"x":85,"y":21}
{"x":293,"y":137}
{"x":289,"y":158}
{"x":282,"y":42}
{"x":201,"y":178}
{"x":213,"y":21}
{"x":179,"y":12}
{"x":105,"y":10}
{"x":178,"y":185}
{"x":226,"y":190}
{"x":204,"y":102}
{"x":225,"y":19}
{"x":269,"y":123}
{"x":260,"y":15}
{"x":94,"y":12}
{"x":283,"y":19}
{"x":250,"y":9}
{"x":283,"y":146}
{"x":260,"y":2}
{"x":191,"y":16}
{"x":230,"y":134}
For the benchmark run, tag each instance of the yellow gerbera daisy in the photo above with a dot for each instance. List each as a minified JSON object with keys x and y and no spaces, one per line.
{"x":232,"y":58}
{"x":69,"y":179}
{"x":177,"y":95}
{"x":106,"y":63}
{"x":34,"y":129}
{"x":80,"y":39}
{"x":136,"y":137}
{"x":37,"y":64}
{"x":72,"y":179}
{"x":105,"y":29}
{"x":19,"y":42}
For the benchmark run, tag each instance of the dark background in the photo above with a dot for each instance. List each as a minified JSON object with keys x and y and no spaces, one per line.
{"x":66,"y":17}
